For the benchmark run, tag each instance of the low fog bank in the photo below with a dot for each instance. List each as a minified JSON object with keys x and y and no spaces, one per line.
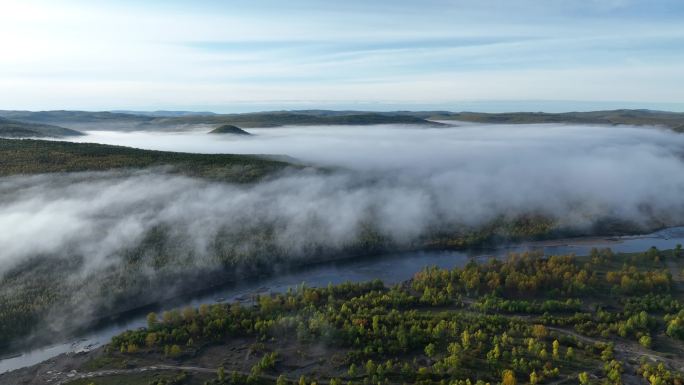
{"x":82,"y":245}
{"x":409,"y":149}
{"x":401,"y":183}
{"x":132,"y":127}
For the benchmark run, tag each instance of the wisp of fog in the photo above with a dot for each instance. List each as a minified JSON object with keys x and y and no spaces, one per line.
{"x":403,"y":181}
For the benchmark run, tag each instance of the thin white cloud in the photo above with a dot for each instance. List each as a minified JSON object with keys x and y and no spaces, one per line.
{"x":112,"y":54}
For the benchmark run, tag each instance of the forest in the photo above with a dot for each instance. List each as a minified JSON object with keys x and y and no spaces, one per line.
{"x":672,"y":120}
{"x":92,"y":120}
{"x":459,"y":192}
{"x":604,"y":318}
{"x":46,"y":292}
{"x":28,"y":156}
{"x":39,"y":292}
{"x":17,"y":129}
{"x":83,"y":119}
{"x":42,"y":289}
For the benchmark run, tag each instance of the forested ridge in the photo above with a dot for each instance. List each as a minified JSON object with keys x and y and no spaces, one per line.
{"x":672,"y":120}
{"x":255,"y":119}
{"x":640,"y":117}
{"x":16,"y":129}
{"x":28,"y":156}
{"x":601,"y":319}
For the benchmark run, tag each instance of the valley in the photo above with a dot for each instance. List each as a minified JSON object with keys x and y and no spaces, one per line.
{"x":454,"y":324}
{"x":144,"y":221}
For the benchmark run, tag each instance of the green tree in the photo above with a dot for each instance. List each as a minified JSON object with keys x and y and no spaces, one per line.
{"x":534,"y":378}
{"x":570,"y":353}
{"x":465,"y":339}
{"x":152,"y":320}
{"x":556,"y":346}
{"x":613,"y":371}
{"x":353,"y":372}
{"x":175,"y":351}
{"x":370,"y":367}
{"x":430,"y":350}
{"x":543,"y":354}
{"x":583,"y":378}
{"x":151,"y":339}
{"x":189,"y":313}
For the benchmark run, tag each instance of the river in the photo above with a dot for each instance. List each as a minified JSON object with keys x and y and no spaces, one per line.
{"x":390,"y":268}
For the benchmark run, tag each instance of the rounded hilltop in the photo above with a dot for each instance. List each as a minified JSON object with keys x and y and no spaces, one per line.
{"x":229,"y":129}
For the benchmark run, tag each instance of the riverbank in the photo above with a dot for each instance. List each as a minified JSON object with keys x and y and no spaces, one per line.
{"x":557,"y":315}
{"x":390,"y":268}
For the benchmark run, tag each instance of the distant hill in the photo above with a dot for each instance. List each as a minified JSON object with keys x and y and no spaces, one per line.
{"x":64,"y":116}
{"x":164,"y":113}
{"x":179,"y":120}
{"x":671,"y":120}
{"x":229,"y":129}
{"x":277,"y":119}
{"x":28,"y":156}
{"x":15,"y":129}
{"x":123,"y":121}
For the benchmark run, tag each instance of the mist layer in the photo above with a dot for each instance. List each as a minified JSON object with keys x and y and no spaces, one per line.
{"x":401,"y":182}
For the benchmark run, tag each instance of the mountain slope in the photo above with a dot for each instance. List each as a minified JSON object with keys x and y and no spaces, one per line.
{"x":44,"y":156}
{"x":91,"y":120}
{"x":229,"y":129}
{"x":671,"y":120}
{"x":168,"y":120}
{"x":15,"y":129}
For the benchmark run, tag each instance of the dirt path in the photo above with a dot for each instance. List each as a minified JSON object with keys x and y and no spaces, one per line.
{"x":627,"y":353}
{"x":629,"y":349}
{"x":66,"y":378}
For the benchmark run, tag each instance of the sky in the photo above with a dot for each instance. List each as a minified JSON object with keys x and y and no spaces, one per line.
{"x":231,"y":56}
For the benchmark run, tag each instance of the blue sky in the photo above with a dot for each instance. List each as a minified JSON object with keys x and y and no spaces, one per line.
{"x":490,"y":55}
